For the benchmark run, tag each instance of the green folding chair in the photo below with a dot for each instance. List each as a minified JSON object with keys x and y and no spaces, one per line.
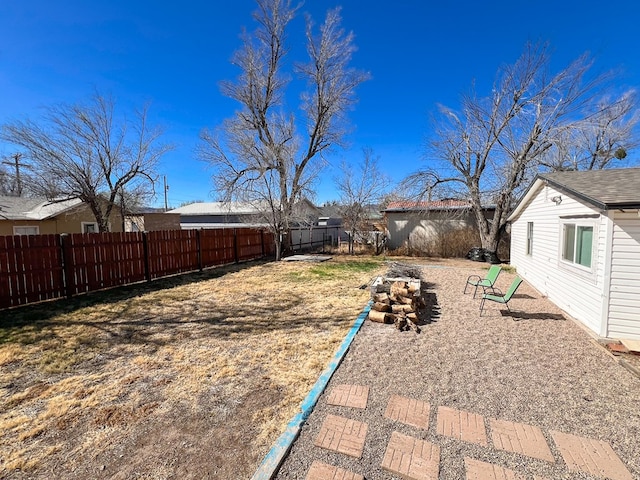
{"x":497,"y":295}
{"x":486,"y":282}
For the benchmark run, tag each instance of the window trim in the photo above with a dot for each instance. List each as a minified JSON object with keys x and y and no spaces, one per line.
{"x":84,"y":224}
{"x":37,"y":228}
{"x":529,"y":245}
{"x":588,"y":222}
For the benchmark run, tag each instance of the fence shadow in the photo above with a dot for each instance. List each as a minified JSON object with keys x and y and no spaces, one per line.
{"x":39,"y":313}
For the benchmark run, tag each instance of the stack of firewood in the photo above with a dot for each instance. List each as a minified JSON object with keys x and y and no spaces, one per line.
{"x":397,"y":302}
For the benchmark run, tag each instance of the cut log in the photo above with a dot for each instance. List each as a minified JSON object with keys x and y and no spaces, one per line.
{"x":382,"y":307}
{"x":379,"y":317}
{"x":405,"y":300}
{"x":412,"y":288}
{"x":381,"y":298}
{"x":400,"y":292}
{"x":401,"y":308}
{"x":413,"y":317}
{"x":399,"y":289}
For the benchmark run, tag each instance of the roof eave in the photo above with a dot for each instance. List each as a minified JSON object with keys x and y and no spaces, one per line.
{"x":622,"y":206}
{"x":533,"y":189}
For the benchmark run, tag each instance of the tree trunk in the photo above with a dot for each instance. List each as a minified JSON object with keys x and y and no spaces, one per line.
{"x":278,"y":246}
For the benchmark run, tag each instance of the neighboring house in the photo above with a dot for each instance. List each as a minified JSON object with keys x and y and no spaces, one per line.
{"x":217,"y":215}
{"x":151,"y":219}
{"x":236,"y":214}
{"x":417,"y":223}
{"x":575,"y":237}
{"x":329,"y":215}
{"x":33,"y":216}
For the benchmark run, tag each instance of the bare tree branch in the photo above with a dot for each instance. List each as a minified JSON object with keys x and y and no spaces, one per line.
{"x":259,"y":155}
{"x":81,"y":151}
{"x":360,"y":190}
{"x":495,"y":144}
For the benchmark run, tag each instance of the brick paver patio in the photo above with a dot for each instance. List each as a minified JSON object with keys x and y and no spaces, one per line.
{"x":477,"y":470}
{"x":520,"y":438}
{"x":412,"y":458}
{"x":324,"y":471}
{"x":354,"y":396}
{"x":416,"y":459}
{"x":590,"y":456}
{"x":408,"y":411}
{"x":342,"y":435}
{"x":465,"y":426}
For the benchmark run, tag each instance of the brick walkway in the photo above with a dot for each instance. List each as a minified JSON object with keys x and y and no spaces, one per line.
{"x":413,"y":458}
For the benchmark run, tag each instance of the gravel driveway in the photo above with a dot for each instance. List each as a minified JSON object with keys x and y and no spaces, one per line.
{"x":537,"y":367}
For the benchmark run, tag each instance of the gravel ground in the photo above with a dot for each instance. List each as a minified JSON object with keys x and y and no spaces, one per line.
{"x":537,"y":367}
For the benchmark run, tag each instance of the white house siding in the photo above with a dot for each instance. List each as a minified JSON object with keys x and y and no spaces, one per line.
{"x":624,"y":296}
{"x":578,"y":293}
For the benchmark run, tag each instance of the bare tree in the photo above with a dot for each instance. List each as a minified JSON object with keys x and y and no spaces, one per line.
{"x":602,"y":138}
{"x":361,"y":189}
{"x":492,"y":147}
{"x":81,"y":151}
{"x":259,"y":155}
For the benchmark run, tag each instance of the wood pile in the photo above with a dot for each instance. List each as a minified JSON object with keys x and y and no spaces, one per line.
{"x":397,"y":301}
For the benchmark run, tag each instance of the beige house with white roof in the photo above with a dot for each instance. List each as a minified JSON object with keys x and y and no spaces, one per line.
{"x":38,"y":216}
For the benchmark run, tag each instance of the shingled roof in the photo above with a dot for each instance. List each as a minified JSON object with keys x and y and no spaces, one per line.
{"x":21,"y":208}
{"x":434,"y":205}
{"x":605,"y":189}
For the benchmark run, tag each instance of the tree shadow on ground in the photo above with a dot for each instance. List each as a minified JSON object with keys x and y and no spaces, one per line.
{"x":180,"y":320}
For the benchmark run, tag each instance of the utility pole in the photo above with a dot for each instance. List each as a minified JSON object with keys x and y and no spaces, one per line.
{"x":16,"y":163}
{"x":166,"y":189}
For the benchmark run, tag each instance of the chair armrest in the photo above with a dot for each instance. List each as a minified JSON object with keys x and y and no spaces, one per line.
{"x":476,"y":278}
{"x":492,"y":290}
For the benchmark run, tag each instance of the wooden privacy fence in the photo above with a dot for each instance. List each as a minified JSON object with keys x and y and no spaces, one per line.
{"x":34,"y":268}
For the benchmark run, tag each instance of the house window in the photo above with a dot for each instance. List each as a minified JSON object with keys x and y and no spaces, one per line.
{"x":529,"y":238}
{"x":577,"y":244}
{"x":89,"y":227}
{"x":35,"y":230}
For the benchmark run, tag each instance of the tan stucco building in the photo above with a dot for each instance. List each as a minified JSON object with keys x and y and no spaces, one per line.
{"x":37,"y":216}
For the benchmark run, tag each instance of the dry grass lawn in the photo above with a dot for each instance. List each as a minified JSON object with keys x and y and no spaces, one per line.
{"x":190,"y":377}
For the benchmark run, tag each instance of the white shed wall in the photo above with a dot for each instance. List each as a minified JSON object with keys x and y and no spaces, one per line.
{"x":624,"y":296}
{"x":419,"y":227}
{"x":579,"y":293}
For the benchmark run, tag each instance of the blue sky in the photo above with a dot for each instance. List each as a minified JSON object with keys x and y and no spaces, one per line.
{"x":174,"y":54}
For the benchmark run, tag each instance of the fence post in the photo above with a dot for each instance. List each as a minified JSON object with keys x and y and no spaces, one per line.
{"x":145,"y":250}
{"x":235,"y":245}
{"x":69,"y":281}
{"x":262,"y":241}
{"x":199,"y":245}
